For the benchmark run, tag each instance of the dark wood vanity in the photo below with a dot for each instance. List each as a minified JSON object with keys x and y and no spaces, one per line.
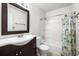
{"x":28,"y":49}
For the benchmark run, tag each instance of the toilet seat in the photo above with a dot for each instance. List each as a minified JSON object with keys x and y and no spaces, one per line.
{"x":43,"y":47}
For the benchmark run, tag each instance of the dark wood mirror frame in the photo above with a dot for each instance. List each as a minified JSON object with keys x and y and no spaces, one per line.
{"x":5,"y":20}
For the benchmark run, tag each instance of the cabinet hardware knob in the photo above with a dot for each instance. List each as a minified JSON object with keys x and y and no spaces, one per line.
{"x":16,"y":54}
{"x":20,"y":52}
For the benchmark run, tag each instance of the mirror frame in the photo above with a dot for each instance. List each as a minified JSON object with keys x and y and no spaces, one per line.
{"x":4,"y":18}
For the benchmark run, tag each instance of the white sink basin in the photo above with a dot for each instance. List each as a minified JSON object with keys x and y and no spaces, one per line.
{"x":24,"y":40}
{"x":16,"y":40}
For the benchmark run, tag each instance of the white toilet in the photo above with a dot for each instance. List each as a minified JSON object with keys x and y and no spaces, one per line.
{"x":42,"y":48}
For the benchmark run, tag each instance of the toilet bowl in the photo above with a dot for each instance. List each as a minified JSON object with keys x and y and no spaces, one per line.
{"x":43,"y":49}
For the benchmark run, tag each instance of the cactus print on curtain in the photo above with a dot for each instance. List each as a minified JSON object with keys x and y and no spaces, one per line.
{"x":69,"y":36}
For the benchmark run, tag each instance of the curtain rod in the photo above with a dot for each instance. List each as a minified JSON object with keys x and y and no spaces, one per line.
{"x":51,"y":16}
{"x":54,"y":15}
{"x":75,"y":15}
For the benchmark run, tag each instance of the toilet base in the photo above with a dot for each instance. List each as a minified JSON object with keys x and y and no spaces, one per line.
{"x":40,"y":53}
{"x":43,"y":54}
{"x":42,"y":50}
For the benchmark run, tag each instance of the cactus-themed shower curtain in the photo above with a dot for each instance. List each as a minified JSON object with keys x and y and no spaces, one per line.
{"x":68,"y":36}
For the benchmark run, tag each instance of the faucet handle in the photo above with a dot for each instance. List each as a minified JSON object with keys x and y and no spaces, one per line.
{"x":20,"y":35}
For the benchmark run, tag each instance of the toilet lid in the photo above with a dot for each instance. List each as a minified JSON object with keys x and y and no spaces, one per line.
{"x":43,"y":47}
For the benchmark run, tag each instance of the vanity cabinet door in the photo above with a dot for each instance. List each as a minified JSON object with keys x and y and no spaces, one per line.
{"x":29,"y":49}
{"x":8,"y":50}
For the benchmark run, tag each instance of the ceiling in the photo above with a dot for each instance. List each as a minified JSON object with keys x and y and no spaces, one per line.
{"x":51,"y":6}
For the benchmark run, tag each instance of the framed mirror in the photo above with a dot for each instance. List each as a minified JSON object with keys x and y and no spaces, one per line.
{"x":15,"y":19}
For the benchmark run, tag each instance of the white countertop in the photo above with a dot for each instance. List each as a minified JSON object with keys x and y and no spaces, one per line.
{"x":16,"y":40}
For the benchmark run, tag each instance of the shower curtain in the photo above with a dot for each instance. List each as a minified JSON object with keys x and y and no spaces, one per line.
{"x":69,"y":36}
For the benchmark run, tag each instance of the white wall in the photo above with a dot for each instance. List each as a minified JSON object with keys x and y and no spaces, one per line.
{"x":35,"y":23}
{"x":53,"y":29}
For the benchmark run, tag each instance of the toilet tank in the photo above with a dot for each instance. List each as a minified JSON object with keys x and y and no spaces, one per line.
{"x":38,"y":41}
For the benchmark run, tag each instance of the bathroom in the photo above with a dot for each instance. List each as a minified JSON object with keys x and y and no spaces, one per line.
{"x":43,"y":35}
